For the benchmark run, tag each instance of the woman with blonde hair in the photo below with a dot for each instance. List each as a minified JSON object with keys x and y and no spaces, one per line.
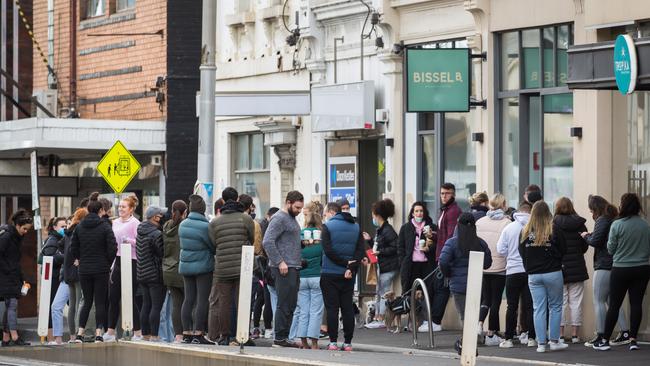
{"x":489,"y":228}
{"x":479,"y":205}
{"x":542,"y":254}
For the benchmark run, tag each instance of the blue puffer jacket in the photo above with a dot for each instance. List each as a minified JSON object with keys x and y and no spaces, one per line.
{"x":341,"y":242}
{"x":197,"y":250}
{"x":454,"y":265}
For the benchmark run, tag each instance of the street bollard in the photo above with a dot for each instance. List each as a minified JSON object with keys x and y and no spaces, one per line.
{"x":47,"y":270}
{"x":472,"y":308}
{"x":245,"y":289}
{"x":127,"y":289}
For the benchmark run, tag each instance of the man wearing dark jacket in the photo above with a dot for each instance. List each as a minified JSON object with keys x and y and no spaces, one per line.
{"x":343,"y":250}
{"x":229,"y":231}
{"x":150,"y":251}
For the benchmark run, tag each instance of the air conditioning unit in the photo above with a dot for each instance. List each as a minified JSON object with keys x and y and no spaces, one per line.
{"x":47,"y":98}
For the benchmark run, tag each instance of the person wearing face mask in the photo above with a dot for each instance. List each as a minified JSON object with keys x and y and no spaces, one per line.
{"x":125,"y":228}
{"x":53,"y":247}
{"x":94,"y":246}
{"x":416,"y":250}
{"x":282,"y":245}
{"x":384,"y":247}
{"x":11,"y":281}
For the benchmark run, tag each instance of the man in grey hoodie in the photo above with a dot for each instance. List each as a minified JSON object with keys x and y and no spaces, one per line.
{"x":516,"y":279}
{"x":282,"y":245}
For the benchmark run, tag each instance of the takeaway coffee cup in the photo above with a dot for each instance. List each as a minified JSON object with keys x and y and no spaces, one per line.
{"x":317,"y":234}
{"x":306,"y":235}
{"x":25,"y":289}
{"x":423,"y":243}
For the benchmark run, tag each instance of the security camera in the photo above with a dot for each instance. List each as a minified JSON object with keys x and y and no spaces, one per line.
{"x":398,"y":48}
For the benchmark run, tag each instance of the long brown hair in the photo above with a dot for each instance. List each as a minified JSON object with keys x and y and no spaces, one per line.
{"x":599,"y":206}
{"x":314,"y":219}
{"x":541,"y":224}
{"x":564,"y":206}
{"x":179,"y":208}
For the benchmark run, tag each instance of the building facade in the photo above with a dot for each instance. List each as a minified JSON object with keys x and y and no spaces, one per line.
{"x":536,"y":125}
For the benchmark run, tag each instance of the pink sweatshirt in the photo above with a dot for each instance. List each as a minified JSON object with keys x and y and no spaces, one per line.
{"x":126,"y":231}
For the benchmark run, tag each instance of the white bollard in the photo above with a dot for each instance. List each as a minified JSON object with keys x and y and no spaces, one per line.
{"x":47,"y":271}
{"x":127,"y":289}
{"x":245,"y":289}
{"x":472,"y":308}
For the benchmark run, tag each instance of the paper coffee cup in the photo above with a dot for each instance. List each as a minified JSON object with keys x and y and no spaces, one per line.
{"x":317,"y":234}
{"x":306,"y":234}
{"x":25,"y":289}
{"x":423,"y":243}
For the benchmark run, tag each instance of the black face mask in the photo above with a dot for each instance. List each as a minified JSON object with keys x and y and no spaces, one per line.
{"x":253,"y":215}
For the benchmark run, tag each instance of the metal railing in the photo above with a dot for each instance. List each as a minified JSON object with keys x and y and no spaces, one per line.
{"x":637,"y":182}
{"x":419,"y":283}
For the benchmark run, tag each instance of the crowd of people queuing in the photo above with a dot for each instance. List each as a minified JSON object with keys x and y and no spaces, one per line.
{"x":186,"y":269}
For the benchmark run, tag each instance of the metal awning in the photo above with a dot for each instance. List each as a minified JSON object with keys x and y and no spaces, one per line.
{"x":78,"y":139}
{"x":591,"y":66}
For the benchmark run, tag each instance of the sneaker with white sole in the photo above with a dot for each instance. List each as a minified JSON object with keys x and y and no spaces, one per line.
{"x":376,"y":324}
{"x":436,"y":327}
{"x":424,"y":327}
{"x":531,"y":342}
{"x":137,"y":338}
{"x":506,"y":344}
{"x":268,"y":333}
{"x":493,"y":340}
{"x":523,"y":338}
{"x":541,"y":348}
{"x":480,"y":329}
{"x":558,"y":346}
{"x":601,"y":345}
{"x":622,"y":339}
{"x":575,"y":340}
{"x":593,"y":341}
{"x":634,"y":346}
{"x":109,"y":338}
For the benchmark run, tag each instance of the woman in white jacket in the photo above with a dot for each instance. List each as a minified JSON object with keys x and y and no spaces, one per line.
{"x":489,"y":228}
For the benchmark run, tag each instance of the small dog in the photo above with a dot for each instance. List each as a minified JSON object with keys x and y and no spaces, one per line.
{"x":393,"y":321}
{"x":371,"y":311}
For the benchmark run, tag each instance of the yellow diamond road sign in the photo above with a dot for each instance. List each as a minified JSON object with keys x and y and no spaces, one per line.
{"x":118,"y":167}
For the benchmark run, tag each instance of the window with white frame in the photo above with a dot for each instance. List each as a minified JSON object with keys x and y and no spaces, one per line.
{"x":251,"y":168}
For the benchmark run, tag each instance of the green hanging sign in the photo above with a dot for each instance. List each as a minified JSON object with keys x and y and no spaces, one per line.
{"x":438,"y":80}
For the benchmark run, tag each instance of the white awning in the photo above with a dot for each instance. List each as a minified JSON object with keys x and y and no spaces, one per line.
{"x":78,"y":138}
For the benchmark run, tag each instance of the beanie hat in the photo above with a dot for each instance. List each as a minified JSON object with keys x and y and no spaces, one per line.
{"x":197,"y":204}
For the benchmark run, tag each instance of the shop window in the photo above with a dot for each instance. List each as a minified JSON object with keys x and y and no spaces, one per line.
{"x":510,"y":60}
{"x":251,"y":173}
{"x":460,"y":156}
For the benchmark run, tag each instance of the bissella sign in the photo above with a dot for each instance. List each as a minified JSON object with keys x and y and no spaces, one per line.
{"x":625,"y":64}
{"x":438,"y":80}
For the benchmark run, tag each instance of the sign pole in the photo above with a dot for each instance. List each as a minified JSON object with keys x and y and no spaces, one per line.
{"x":472,"y":308}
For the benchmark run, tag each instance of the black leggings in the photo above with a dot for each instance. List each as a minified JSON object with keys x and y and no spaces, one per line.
{"x":633,"y":281}
{"x":197,"y":292}
{"x":177,"y":304}
{"x":153,"y":297}
{"x":263,"y":300}
{"x":94,"y":287}
{"x":491,"y":296}
{"x":516,"y":288}
{"x":337,"y":293}
{"x":115,"y":295}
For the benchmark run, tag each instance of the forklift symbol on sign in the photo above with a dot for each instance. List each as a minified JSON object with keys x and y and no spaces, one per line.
{"x":123,"y":167}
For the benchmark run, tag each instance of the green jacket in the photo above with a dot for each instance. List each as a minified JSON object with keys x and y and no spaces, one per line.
{"x":313,"y":254}
{"x":229,"y":232}
{"x":629,"y":242}
{"x":171,"y":277}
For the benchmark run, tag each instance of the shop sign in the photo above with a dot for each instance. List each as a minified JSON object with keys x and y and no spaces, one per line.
{"x":343,"y":180}
{"x":625,"y":64}
{"x":438,"y":80}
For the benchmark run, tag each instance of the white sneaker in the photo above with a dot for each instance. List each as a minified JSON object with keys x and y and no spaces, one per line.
{"x":424,"y":327}
{"x":506,"y":344}
{"x":377,"y":324}
{"x":532,"y":342}
{"x":523,"y":338}
{"x":494,"y":340}
{"x":136,"y":338}
{"x":541,"y":348}
{"x":109,"y":338}
{"x":557,"y":346}
{"x":480,"y":329}
{"x":436,"y":327}
{"x":268,"y":333}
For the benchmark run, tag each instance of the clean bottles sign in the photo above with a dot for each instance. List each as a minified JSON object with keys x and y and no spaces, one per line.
{"x":438,"y":80}
{"x":625,"y":64}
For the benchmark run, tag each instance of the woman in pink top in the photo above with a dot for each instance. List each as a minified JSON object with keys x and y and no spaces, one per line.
{"x":125,"y":228}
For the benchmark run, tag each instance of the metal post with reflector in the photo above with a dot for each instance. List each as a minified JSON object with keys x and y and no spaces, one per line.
{"x":44,"y":297}
{"x":127,"y":288}
{"x":245,"y":289}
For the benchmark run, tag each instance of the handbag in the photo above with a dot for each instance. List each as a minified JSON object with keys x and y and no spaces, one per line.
{"x":371,"y":274}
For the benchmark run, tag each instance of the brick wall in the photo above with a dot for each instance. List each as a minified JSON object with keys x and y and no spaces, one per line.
{"x":114,"y":72}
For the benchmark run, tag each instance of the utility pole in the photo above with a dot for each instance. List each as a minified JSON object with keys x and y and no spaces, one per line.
{"x":205,"y":171}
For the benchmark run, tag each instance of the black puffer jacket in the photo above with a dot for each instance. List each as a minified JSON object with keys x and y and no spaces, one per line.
{"x":598,"y":239}
{"x":53,"y":247}
{"x":11,"y":276}
{"x":149,"y":247}
{"x":386,"y":239}
{"x":567,"y":229}
{"x":70,"y":271}
{"x":93,"y":243}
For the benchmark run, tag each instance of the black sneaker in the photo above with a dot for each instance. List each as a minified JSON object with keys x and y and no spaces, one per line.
{"x":323,"y":335}
{"x":200,"y":339}
{"x":187,"y":339}
{"x":285,"y":343}
{"x":634,"y":346}
{"x":99,"y":339}
{"x":256,"y":333}
{"x":18,"y":342}
{"x":601,"y":345}
{"x":593,"y":341}
{"x":224,"y":341}
{"x":623,"y":338}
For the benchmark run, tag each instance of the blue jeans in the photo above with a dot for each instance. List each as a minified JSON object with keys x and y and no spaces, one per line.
{"x":384,"y":285}
{"x":166,"y":329}
{"x":547,"y":292}
{"x":61,"y":298}
{"x":309,"y":312}
{"x":274,"y":302}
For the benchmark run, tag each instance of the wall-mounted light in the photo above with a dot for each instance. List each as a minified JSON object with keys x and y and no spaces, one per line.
{"x":379,"y":42}
{"x":477,"y":137}
{"x":576,"y":132}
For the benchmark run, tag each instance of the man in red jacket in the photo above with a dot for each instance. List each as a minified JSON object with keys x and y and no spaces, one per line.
{"x":449,"y":213}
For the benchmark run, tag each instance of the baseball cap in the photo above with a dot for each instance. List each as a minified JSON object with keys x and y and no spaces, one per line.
{"x":153,"y":211}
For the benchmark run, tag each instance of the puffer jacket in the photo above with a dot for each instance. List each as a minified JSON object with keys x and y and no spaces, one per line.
{"x":11,"y":275}
{"x":70,"y":271}
{"x":567,"y":229}
{"x":229,"y":232}
{"x":171,"y":277}
{"x":455,"y":266}
{"x":53,"y":247}
{"x":387,"y":242}
{"x":598,"y":239}
{"x":197,"y":249}
{"x":150,"y":248}
{"x":94,"y":245}
{"x":489,"y":228}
